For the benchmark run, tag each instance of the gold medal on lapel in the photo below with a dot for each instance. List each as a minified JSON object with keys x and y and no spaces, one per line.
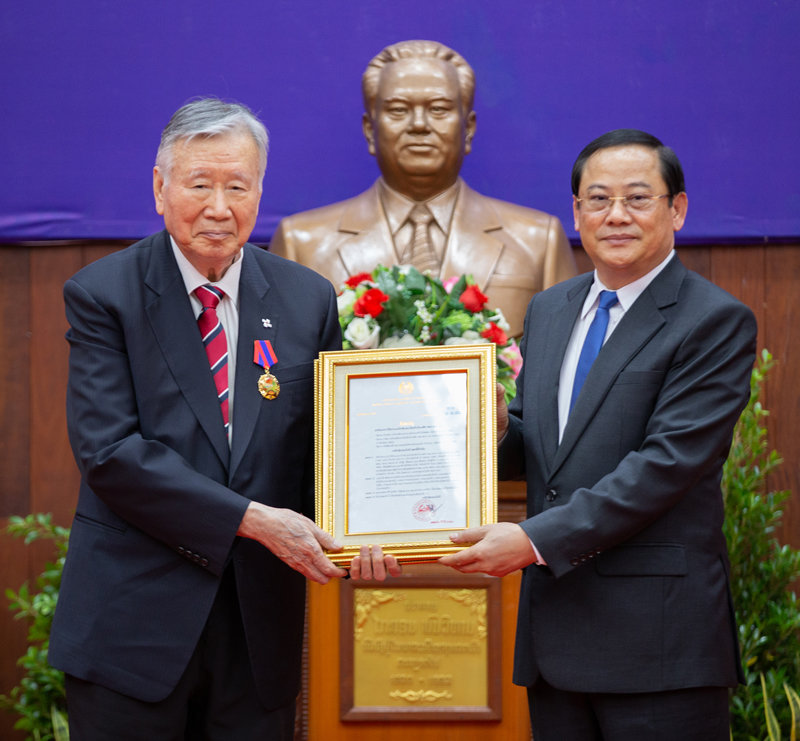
{"x":265,"y":356}
{"x":268,"y":386}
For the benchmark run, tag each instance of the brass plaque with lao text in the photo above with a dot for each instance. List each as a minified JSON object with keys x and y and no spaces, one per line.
{"x":425,"y":649}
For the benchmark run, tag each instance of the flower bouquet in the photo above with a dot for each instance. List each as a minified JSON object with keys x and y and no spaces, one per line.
{"x":401,"y":307}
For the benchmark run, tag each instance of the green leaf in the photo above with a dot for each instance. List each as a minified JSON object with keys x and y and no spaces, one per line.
{"x":60,"y":724}
{"x":772,"y":722}
{"x":794,"y":704}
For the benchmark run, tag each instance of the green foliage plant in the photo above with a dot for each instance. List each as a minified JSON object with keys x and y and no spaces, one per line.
{"x":39,"y":698}
{"x":762,"y":576}
{"x":773,"y":727}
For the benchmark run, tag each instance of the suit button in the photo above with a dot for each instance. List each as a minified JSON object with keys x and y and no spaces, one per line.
{"x":204,"y":562}
{"x":574,"y":561}
{"x":181,"y":550}
{"x":551,"y":495}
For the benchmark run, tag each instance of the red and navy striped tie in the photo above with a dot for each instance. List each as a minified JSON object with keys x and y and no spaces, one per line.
{"x":215,"y":342}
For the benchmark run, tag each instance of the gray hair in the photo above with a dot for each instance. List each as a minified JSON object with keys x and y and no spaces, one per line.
{"x":414,"y":50}
{"x":208,"y":117}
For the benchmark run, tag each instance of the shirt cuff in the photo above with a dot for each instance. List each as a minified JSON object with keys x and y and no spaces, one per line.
{"x":539,"y":560}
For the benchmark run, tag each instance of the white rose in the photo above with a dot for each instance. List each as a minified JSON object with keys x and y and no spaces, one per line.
{"x":406,"y":340}
{"x":469,"y":337}
{"x":345,"y":301}
{"x":361,"y":334}
{"x":500,"y":320}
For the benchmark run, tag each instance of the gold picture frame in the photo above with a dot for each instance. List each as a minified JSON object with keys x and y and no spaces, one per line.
{"x":406,"y":447}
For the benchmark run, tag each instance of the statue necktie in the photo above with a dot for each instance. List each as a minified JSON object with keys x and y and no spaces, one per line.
{"x":421,"y":254}
{"x":215,"y":342}
{"x":593,"y":342}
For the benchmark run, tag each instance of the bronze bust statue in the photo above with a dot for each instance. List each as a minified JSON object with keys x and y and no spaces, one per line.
{"x":419,"y":125}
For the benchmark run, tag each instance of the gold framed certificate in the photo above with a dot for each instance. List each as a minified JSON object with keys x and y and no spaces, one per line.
{"x":406,"y":447}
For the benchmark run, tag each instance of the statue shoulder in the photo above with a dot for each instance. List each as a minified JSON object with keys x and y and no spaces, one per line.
{"x":515,"y":212}
{"x":316,"y":237}
{"x":522,"y":221}
{"x":329,"y":217}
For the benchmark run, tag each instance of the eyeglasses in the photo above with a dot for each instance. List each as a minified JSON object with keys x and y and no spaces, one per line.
{"x":598,"y":203}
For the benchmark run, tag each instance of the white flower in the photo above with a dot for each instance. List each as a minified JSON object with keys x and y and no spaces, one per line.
{"x":425,"y":333}
{"x":500,"y":320}
{"x":406,"y":340}
{"x":362,"y":333}
{"x":469,"y":337}
{"x":422,"y":311}
{"x":345,"y":301}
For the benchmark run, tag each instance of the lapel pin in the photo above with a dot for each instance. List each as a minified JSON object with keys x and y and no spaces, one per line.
{"x":267,"y":323}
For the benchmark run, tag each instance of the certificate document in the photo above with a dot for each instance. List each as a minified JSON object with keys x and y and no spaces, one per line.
{"x":405,"y":447}
{"x":407,"y":452}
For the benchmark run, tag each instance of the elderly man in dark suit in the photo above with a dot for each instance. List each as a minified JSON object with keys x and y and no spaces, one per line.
{"x":181,"y":606}
{"x":626,"y":629}
{"x":419,"y":124}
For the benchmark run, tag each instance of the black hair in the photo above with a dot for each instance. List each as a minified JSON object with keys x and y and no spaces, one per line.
{"x":671,"y":169}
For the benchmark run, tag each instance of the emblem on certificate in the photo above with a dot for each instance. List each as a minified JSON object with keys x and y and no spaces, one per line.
{"x":265,"y":356}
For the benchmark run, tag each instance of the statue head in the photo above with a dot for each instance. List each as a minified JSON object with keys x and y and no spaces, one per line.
{"x":418,"y":119}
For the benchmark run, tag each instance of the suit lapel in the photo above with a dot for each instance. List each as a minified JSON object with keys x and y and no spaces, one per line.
{"x":254,"y":307}
{"x":364,"y":233}
{"x":475,"y":241}
{"x":173,"y":323}
{"x":640,"y":323}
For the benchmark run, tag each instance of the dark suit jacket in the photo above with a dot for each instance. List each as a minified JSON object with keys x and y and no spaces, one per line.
{"x":627,"y":510}
{"x":161,"y":494}
{"x":511,"y":251}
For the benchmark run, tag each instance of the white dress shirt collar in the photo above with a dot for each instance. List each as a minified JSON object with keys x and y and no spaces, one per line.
{"x":193,"y":278}
{"x":626,"y":295}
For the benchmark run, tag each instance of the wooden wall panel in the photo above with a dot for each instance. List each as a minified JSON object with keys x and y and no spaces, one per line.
{"x":740,"y":272}
{"x":53,"y":473}
{"x":15,"y":344}
{"x":15,"y":562}
{"x":697,"y":259}
{"x":781,"y":336}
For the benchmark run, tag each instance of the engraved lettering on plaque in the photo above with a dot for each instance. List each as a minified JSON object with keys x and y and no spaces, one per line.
{"x":420,"y":647}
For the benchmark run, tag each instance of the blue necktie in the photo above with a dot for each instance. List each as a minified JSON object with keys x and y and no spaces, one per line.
{"x":593,"y":342}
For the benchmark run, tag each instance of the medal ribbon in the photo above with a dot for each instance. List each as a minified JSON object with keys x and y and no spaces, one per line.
{"x":263,"y":354}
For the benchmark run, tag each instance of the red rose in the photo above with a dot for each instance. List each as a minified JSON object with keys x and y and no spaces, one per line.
{"x":354,"y":280}
{"x":370,"y":303}
{"x":473,"y":299}
{"x":493,"y":333}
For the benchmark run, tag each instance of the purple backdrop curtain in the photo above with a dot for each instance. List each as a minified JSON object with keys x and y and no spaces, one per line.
{"x":88,"y":86}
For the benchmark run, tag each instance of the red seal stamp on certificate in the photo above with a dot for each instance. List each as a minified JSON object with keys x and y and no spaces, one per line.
{"x":424,"y":510}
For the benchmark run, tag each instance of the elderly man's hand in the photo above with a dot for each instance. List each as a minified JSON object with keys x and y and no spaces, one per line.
{"x":498,"y":550}
{"x":371,"y":563}
{"x":293,"y":538}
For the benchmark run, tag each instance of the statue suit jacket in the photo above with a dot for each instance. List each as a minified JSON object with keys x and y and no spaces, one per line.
{"x":162,"y":495}
{"x":511,"y":251}
{"x":627,"y":509}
